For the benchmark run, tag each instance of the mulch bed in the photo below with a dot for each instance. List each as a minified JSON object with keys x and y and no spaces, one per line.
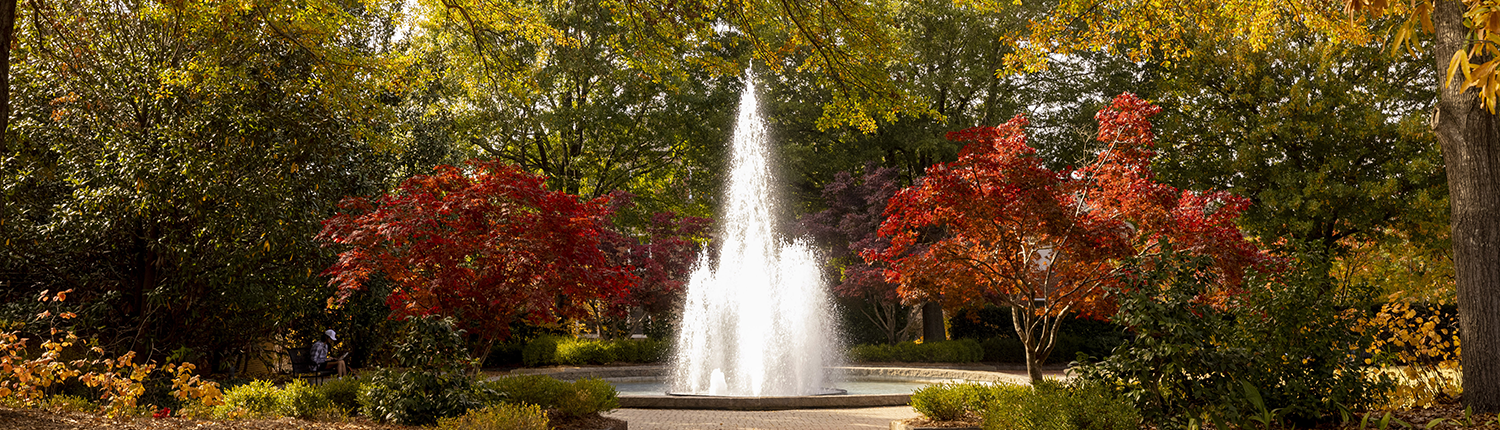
{"x":39,"y":419}
{"x":1452,"y":415}
{"x":586,"y":422}
{"x":926,"y":423}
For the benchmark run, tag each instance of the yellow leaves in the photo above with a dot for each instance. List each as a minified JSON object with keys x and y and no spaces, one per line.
{"x":25,"y":379}
{"x":1425,"y":356}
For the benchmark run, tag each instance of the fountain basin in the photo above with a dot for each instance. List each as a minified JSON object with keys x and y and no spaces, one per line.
{"x":644,"y":387}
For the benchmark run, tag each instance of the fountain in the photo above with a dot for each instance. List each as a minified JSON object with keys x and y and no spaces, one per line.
{"x":756,"y":331}
{"x":756,"y":322}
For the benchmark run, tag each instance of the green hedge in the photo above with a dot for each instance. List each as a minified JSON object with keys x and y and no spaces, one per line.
{"x":550,"y":350}
{"x":1009,"y":349}
{"x":581,"y":397}
{"x":952,"y":351}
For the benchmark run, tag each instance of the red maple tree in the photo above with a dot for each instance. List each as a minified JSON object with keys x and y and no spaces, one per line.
{"x":660,"y":251}
{"x":997,"y":226}
{"x":487,"y":244}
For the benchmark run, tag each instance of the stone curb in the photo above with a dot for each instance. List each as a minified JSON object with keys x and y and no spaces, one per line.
{"x":764,"y":403}
{"x":638,"y":373}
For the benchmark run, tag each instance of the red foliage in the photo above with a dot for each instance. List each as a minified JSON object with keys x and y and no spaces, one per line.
{"x":662,"y":255}
{"x":487,"y":244}
{"x":850,"y":224}
{"x":997,"y":226}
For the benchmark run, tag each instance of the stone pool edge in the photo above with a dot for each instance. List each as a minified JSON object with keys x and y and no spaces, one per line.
{"x":778,"y":403}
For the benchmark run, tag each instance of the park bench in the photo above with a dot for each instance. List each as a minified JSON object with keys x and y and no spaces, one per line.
{"x":304,"y":368}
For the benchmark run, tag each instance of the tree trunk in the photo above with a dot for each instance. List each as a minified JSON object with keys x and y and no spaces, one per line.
{"x":932,"y":323}
{"x":1470,"y":139}
{"x":7,"y":34}
{"x":1031,"y":341}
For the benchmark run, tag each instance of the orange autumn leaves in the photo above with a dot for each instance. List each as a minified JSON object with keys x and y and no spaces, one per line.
{"x":997,"y":226}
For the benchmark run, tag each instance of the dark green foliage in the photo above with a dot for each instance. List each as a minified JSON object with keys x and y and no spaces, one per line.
{"x":301,"y":400}
{"x":1330,"y":141}
{"x":1075,"y":335}
{"x":1289,"y":336}
{"x":549,"y":350}
{"x":541,"y":351}
{"x":435,"y":383}
{"x":415,"y":397}
{"x":530,"y":389}
{"x":582,"y":397}
{"x":1010,"y":350}
{"x":1052,"y":405}
{"x":951,"y":351}
{"x":505,"y":354}
{"x":342,"y":393}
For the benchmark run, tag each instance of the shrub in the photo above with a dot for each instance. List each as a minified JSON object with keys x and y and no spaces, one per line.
{"x":952,"y":351}
{"x":298,"y":399}
{"x":1417,"y":347}
{"x":435,"y":384}
{"x":498,"y":417}
{"x":417,"y":397}
{"x":587,"y":396}
{"x":253,"y":400}
{"x":531,"y":389}
{"x":582,"y":397}
{"x":67,"y":403}
{"x":541,"y":352}
{"x":1004,"y":350}
{"x":342,"y":393}
{"x":575,"y":352}
{"x":1288,"y":335}
{"x":1051,"y":405}
{"x":941,"y":402}
{"x":549,"y":350}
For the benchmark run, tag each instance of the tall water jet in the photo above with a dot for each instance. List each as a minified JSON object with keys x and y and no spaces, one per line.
{"x":756,"y":322}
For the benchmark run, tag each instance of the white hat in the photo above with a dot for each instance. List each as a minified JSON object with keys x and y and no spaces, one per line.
{"x":331,"y":334}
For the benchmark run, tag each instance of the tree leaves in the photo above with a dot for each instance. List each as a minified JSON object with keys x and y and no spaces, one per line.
{"x":998,"y":227}
{"x":487,"y":244}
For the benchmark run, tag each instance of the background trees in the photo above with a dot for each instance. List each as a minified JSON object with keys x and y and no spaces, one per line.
{"x":850,"y":227}
{"x":170,"y":163}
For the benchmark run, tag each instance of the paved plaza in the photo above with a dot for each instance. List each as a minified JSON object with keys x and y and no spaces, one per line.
{"x":804,"y":419}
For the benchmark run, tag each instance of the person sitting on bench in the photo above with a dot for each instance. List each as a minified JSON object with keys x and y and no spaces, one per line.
{"x":320,"y":353}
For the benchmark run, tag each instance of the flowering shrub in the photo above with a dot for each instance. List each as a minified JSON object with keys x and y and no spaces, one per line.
{"x":119,"y":380}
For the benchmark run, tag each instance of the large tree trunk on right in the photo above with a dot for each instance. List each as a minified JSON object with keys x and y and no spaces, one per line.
{"x":932,"y":323}
{"x":7,"y":35}
{"x":1470,"y":139}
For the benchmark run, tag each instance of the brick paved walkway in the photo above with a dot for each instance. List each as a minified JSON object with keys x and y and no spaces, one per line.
{"x":805,"y":419}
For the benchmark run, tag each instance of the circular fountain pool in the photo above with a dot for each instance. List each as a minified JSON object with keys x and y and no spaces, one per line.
{"x":645,"y":387}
